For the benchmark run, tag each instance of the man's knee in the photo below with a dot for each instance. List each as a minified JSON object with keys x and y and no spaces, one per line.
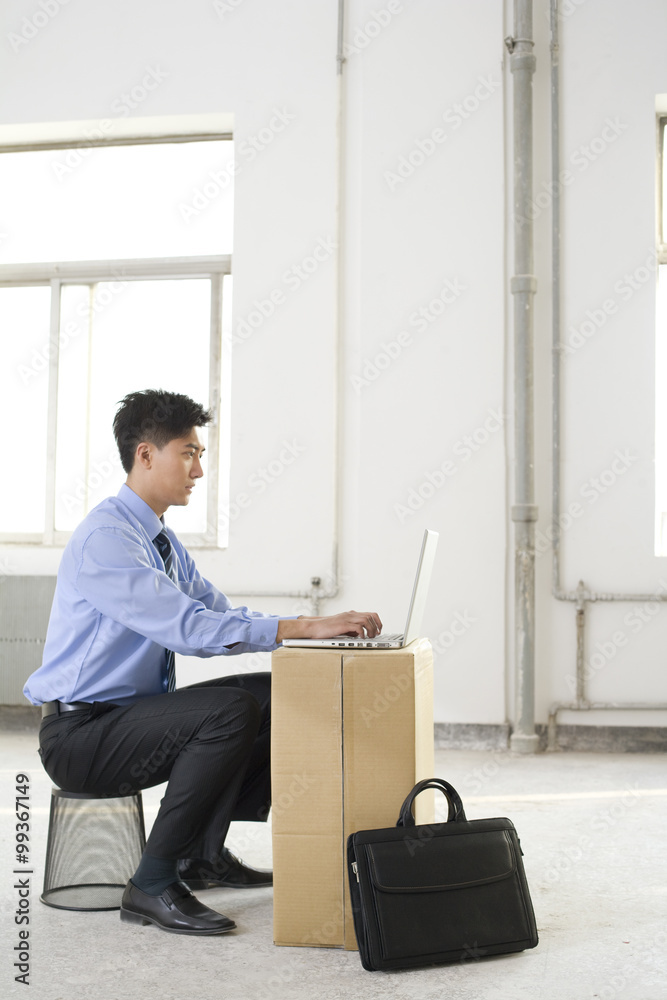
{"x":250,"y":705}
{"x":235,"y":708}
{"x":259,"y":685}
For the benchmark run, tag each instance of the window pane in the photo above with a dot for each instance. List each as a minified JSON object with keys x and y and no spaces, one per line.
{"x":664,"y":186}
{"x":131,"y":335}
{"x":661,"y":411}
{"x":24,"y":378}
{"x":97,"y":203}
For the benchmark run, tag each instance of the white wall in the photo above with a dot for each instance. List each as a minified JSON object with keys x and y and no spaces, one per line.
{"x":422,"y":225}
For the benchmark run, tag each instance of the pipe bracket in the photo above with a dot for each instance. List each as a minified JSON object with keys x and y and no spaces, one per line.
{"x":523,"y":283}
{"x":524,"y":512}
{"x":511,"y":42}
{"x":522,"y":61}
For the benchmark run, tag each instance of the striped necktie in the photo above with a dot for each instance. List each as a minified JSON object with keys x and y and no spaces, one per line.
{"x":164,"y":548}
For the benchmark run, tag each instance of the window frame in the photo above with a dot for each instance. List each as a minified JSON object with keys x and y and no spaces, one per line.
{"x":55,"y":275}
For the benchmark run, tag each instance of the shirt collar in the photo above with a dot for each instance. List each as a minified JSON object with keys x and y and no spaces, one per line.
{"x":148,"y":519}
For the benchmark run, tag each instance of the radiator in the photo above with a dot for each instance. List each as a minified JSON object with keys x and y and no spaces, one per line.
{"x":25,"y":606}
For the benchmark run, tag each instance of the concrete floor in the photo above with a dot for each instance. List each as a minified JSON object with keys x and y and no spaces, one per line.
{"x":593,"y":830}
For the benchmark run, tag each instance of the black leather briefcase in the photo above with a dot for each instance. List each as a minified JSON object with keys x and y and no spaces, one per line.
{"x":446,"y":892}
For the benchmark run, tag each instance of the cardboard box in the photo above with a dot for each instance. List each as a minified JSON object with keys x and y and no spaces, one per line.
{"x":352,"y":732}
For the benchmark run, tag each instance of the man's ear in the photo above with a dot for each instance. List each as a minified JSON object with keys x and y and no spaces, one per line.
{"x":143,"y":456}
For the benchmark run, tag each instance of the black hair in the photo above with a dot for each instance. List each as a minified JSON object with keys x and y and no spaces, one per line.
{"x":156,"y":416}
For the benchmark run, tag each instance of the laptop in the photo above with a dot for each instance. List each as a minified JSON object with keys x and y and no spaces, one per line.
{"x":415,"y":613}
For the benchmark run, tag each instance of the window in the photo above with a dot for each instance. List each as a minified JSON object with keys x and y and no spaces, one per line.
{"x":661,"y":342}
{"x":114,"y":269}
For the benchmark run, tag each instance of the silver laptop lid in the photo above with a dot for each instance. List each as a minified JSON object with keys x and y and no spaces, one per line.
{"x":421,"y":586}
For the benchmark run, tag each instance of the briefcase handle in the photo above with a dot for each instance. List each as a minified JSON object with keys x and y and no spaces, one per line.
{"x":455,"y":812}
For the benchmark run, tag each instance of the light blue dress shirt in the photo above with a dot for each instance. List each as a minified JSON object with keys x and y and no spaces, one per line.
{"x":115,"y":611}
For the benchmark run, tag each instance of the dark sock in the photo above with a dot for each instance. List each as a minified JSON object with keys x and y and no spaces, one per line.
{"x":154,"y":874}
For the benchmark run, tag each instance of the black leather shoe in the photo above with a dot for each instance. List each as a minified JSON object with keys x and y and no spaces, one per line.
{"x":229,"y":872}
{"x":175,"y":910}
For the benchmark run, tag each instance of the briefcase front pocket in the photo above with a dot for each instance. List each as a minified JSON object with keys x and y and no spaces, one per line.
{"x":453,"y":894}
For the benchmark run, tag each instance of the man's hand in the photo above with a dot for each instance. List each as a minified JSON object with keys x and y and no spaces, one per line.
{"x":355,"y":623}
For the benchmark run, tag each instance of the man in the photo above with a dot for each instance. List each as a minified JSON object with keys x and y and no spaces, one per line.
{"x":128,"y":596}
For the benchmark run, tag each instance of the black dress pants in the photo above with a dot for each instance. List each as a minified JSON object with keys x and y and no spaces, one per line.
{"x":210,"y":742}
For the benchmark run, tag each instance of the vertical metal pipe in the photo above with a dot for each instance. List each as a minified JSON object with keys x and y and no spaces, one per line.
{"x":523,"y":287}
{"x":555,"y":295}
{"x":581,"y":644}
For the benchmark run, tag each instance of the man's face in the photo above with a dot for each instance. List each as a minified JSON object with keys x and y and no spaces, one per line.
{"x":175,"y":469}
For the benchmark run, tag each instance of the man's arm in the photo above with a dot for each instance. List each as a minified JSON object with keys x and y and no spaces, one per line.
{"x":366,"y":623}
{"x":115,"y":574}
